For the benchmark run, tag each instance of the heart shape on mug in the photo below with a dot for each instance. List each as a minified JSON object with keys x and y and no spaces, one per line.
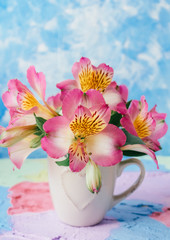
{"x":74,"y":186}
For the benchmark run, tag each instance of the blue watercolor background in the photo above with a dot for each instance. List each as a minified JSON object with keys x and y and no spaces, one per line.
{"x":5,"y":221}
{"x":131,"y":36}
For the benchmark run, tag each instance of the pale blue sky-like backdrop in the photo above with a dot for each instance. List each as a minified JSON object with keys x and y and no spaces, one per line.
{"x":131,"y":36}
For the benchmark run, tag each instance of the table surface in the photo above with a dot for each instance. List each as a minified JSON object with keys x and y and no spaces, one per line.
{"x":27,"y":213}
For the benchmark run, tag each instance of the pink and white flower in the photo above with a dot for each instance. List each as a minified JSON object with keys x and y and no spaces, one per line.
{"x":149,"y":126}
{"x":84,"y":133}
{"x":21,"y":101}
{"x":21,"y":135}
{"x":99,"y":78}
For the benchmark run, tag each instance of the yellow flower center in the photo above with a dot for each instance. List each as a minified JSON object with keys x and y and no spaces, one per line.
{"x":94,"y":79}
{"x":83,"y":126}
{"x":142,"y":127}
{"x":29,"y":102}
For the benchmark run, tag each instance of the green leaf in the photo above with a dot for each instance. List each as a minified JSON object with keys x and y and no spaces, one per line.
{"x":128,"y":104}
{"x":38,"y":132}
{"x":131,"y":139}
{"x":64,"y":162}
{"x":131,"y":153}
{"x":40,"y":122}
{"x":115,"y":118}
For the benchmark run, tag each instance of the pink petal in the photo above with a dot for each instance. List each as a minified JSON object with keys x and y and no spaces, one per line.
{"x":161,"y":127}
{"x":53,"y":125}
{"x":102,"y":112}
{"x":9,"y":98}
{"x":91,"y":98}
{"x":106,"y":69}
{"x":151,"y":123}
{"x":59,"y":137}
{"x":71,"y":101}
{"x":123,"y":90}
{"x":78,"y":156}
{"x":20,"y":151}
{"x":12,"y":84}
{"x":78,"y":66}
{"x":104,"y":147}
{"x":159,"y":131}
{"x":27,"y":116}
{"x":81,"y":111}
{"x":143,"y":105}
{"x":114,"y":99}
{"x":143,"y":149}
{"x":157,"y":116}
{"x":121,"y":108}
{"x":151,"y":144}
{"x":133,"y":110}
{"x":76,"y":97}
{"x":55,"y":101}
{"x":66,"y":86}
{"x":21,"y":88}
{"x":128,"y":125}
{"x":106,"y":161}
{"x":23,"y":119}
{"x":37,"y":81}
{"x":113,"y":85}
{"x":76,"y":165}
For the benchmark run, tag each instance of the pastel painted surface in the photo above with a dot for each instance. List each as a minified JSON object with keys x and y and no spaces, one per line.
{"x":31,"y":215}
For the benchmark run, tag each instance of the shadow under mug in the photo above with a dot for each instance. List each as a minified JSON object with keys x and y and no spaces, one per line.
{"x":75,"y":204}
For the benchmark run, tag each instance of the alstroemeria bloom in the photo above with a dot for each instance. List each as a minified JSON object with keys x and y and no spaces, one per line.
{"x":99,"y":78}
{"x":149,"y":126}
{"x":19,"y":140}
{"x":21,"y":101}
{"x":84,"y":134}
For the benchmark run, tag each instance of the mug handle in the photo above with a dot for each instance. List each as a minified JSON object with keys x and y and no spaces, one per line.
{"x":117,"y":198}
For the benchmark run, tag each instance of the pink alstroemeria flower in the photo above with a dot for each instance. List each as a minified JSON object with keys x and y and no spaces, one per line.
{"x":149,"y":126}
{"x":21,"y":135}
{"x":20,"y":141}
{"x":21,"y":101}
{"x":99,"y":78}
{"x":85,"y":133}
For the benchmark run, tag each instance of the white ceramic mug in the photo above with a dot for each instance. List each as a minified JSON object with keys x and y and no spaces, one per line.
{"x":75,"y":204}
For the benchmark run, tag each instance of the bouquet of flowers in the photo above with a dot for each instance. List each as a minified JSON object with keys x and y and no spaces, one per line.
{"x":91,"y":121}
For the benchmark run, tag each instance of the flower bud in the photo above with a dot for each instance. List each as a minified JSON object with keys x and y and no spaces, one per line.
{"x":93,"y":177}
